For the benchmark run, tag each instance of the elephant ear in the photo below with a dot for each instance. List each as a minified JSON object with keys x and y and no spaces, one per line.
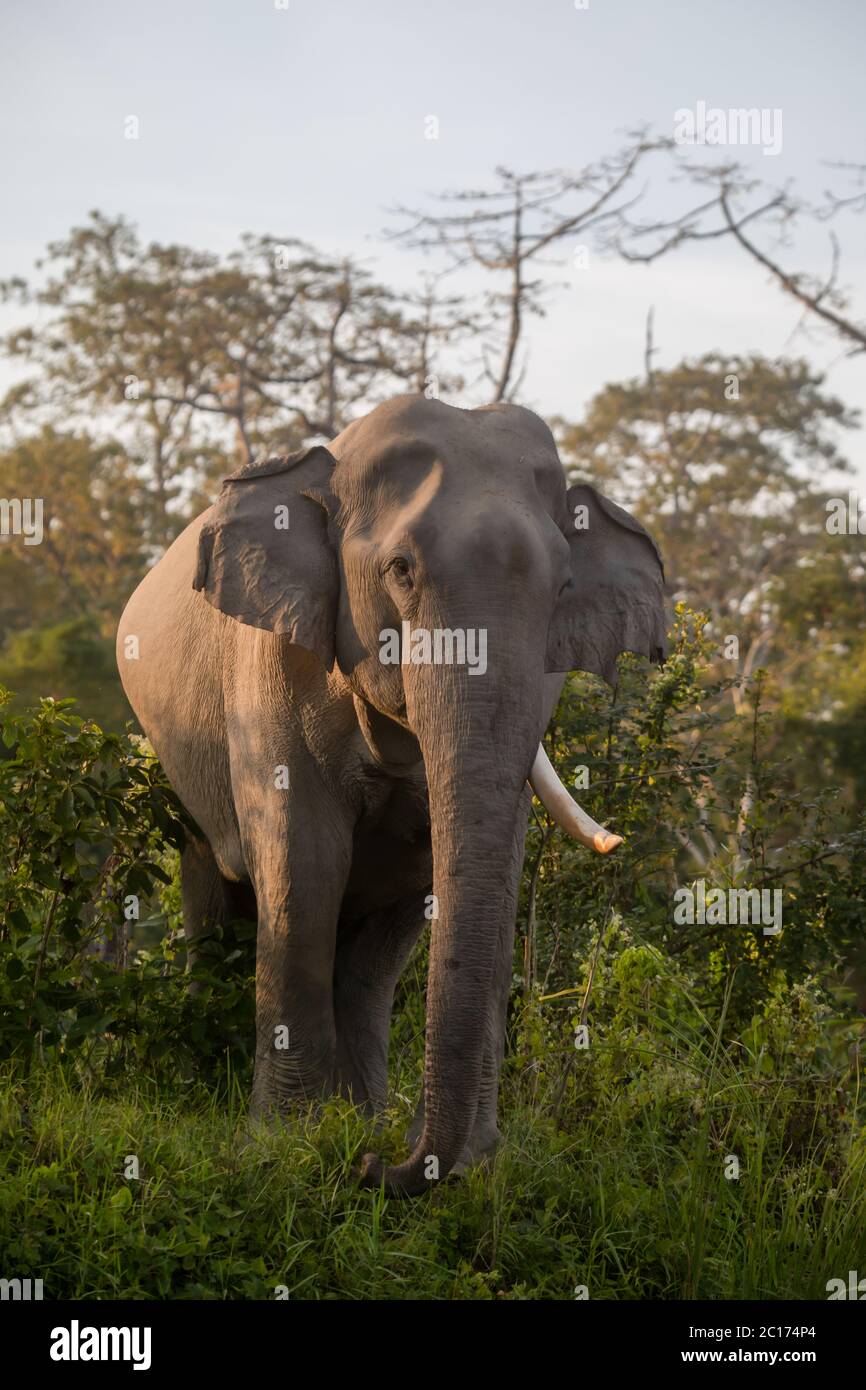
{"x":264,"y":556}
{"x":615,"y":601}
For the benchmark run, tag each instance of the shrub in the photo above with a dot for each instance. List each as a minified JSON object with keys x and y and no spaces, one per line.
{"x":89,"y":835}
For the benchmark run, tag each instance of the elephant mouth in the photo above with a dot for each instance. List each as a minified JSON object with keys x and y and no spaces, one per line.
{"x":395,"y":754}
{"x":389,"y":737}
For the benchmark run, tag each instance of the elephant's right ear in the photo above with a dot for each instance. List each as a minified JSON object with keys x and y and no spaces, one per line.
{"x":264,"y":556}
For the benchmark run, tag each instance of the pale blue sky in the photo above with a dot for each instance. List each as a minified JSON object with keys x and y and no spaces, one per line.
{"x":309,"y":122}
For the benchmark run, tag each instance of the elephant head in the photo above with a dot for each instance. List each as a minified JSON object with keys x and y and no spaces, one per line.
{"x":435,"y":555}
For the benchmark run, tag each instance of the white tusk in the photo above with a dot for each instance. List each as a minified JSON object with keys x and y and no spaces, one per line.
{"x":564,"y":809}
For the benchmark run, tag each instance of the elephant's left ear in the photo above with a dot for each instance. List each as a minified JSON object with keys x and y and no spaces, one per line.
{"x":615,"y":601}
{"x":264,"y":554}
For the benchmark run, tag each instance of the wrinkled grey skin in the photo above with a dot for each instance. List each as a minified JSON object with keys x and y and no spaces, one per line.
{"x":402,"y":780}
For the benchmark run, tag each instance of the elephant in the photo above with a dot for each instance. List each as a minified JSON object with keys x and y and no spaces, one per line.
{"x":347,"y":789}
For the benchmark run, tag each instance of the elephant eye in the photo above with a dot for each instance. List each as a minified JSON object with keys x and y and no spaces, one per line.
{"x":399,"y":569}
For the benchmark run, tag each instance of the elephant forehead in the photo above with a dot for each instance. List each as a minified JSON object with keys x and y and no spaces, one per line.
{"x":405,"y":418}
{"x":403,"y":414}
{"x":399,"y":441}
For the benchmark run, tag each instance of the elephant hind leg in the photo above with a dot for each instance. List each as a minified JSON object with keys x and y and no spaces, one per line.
{"x":371,"y":954}
{"x":208,"y":899}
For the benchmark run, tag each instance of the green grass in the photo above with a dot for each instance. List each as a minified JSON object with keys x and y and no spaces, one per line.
{"x":606,"y":1179}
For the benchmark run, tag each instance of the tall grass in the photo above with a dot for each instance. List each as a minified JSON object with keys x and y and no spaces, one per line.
{"x":611,"y":1177}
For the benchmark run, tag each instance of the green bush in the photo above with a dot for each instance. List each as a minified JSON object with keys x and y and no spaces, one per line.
{"x":89,"y":835}
{"x":696,"y":794}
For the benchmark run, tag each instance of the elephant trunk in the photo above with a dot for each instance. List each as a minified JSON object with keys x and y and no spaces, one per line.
{"x":475,"y":775}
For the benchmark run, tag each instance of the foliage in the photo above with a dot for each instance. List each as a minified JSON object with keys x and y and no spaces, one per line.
{"x":615,"y":1173}
{"x":98,"y":531}
{"x":63,"y":659}
{"x":60,"y":599}
{"x":689,"y":785}
{"x":86,"y":819}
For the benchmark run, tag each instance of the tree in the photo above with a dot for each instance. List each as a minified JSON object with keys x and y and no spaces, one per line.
{"x":508,"y":229}
{"x":738,"y":208}
{"x":718,"y":456}
{"x":98,"y":531}
{"x":60,"y":599}
{"x":200,"y":355}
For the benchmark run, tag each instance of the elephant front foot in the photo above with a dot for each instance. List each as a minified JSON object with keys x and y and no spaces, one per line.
{"x":283,"y":1084}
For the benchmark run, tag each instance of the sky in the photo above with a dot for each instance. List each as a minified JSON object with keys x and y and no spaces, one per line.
{"x":307,"y":118}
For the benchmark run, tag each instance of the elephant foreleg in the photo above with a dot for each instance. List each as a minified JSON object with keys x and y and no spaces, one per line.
{"x":299,"y":860}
